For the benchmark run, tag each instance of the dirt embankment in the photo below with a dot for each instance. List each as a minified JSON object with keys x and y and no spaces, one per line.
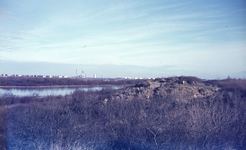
{"x":182,"y":88}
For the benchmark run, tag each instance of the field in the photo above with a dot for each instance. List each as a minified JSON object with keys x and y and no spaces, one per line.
{"x":168,"y":113}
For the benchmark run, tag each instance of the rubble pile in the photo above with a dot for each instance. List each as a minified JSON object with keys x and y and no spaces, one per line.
{"x":180,"y":88}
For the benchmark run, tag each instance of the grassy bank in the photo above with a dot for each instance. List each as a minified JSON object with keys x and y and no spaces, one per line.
{"x":40,"y":82}
{"x":57,"y":86}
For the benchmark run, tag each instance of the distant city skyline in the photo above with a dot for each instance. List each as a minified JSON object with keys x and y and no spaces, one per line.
{"x":157,"y":38}
{"x":106,"y":71}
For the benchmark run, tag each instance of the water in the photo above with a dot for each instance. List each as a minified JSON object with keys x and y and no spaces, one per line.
{"x":48,"y":91}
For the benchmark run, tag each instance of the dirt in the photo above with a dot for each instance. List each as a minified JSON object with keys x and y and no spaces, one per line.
{"x":181,"y":88}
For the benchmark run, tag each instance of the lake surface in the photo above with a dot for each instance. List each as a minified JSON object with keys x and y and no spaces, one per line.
{"x":49,"y":91}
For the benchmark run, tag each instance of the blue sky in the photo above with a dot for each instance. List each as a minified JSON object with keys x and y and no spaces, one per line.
{"x":204,"y":38}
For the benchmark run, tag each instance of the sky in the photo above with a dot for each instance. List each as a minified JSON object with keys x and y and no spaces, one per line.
{"x":110,"y":38}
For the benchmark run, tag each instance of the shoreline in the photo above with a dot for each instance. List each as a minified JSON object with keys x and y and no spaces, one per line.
{"x":55,"y":86}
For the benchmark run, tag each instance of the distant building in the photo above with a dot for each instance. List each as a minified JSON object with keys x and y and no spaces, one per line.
{"x":41,"y":76}
{"x":94,"y":76}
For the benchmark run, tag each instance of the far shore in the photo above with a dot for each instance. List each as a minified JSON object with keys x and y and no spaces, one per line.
{"x":57,"y":86}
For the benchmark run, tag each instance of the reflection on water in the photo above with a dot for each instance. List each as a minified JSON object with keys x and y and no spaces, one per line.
{"x":48,"y":91}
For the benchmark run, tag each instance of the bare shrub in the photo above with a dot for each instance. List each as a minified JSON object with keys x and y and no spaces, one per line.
{"x":84,"y":120}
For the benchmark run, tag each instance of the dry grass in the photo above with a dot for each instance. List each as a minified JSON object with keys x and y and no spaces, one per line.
{"x":84,"y":121}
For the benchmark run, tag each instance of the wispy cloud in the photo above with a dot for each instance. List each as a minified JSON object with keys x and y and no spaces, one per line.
{"x":152,"y":33}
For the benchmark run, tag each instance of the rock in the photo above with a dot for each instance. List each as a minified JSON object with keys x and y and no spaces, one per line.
{"x":105,"y":101}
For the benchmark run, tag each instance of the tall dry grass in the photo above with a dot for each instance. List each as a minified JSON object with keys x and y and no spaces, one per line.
{"x":84,"y":120}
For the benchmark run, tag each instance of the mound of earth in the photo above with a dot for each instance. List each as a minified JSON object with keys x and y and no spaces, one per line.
{"x":180,"y":88}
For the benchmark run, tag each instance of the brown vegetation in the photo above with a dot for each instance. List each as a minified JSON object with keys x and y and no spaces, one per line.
{"x":39,"y":82}
{"x":160,"y":114}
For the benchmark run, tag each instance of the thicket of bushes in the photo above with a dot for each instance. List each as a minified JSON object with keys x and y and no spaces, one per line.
{"x":91,"y":120}
{"x":230,"y":85}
